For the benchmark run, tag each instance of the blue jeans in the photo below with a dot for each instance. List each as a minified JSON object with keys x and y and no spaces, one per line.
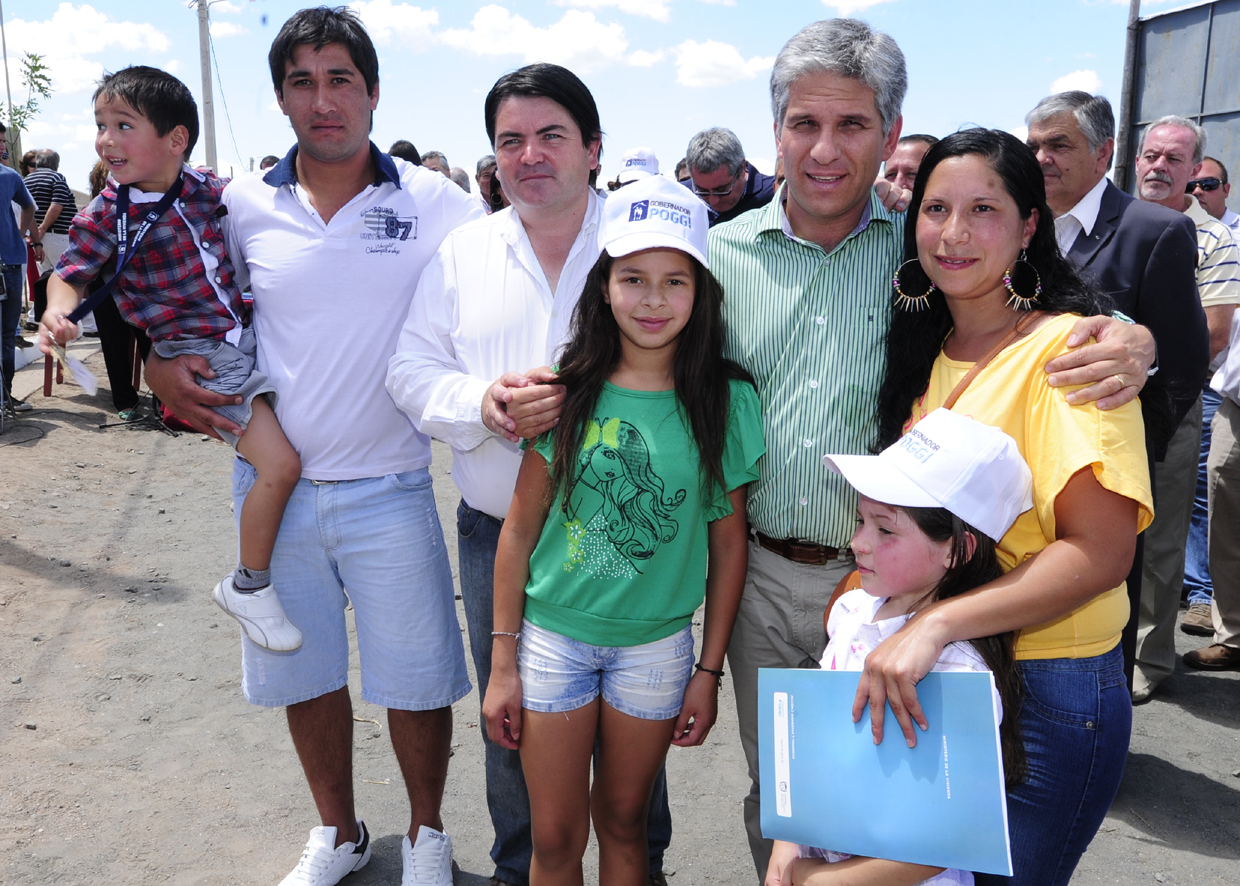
{"x":507,"y":799}
{"x":10,"y":319}
{"x":1076,"y":721}
{"x":1196,"y":555}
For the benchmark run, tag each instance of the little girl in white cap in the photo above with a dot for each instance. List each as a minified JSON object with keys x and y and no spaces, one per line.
{"x":932,"y":507}
{"x":624,"y":518}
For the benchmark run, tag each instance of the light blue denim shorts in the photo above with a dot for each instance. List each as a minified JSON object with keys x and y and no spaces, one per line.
{"x":375,"y":543}
{"x":561,"y":674}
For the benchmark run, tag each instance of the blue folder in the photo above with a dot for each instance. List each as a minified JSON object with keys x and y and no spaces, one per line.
{"x":826,"y":784}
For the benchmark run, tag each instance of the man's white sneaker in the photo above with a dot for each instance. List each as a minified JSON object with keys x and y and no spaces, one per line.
{"x":261,"y":616}
{"x":323,"y":863}
{"x":428,"y":862}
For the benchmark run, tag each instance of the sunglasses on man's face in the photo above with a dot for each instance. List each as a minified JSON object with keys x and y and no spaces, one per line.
{"x":1206,"y":184}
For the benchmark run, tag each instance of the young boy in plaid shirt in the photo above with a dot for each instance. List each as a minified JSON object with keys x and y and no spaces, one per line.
{"x":178,"y":286}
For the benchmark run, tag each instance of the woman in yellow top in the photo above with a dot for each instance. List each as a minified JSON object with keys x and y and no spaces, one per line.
{"x":986,"y":283}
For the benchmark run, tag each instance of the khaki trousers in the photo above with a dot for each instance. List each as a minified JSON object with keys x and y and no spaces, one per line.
{"x":779,"y":625}
{"x":1223,"y":473}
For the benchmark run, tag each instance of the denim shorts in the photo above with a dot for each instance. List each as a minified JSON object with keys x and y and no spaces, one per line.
{"x":375,"y":543}
{"x":561,"y":674}
{"x":235,"y":374}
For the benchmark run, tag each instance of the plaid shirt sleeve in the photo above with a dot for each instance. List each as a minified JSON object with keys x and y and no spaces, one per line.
{"x":92,"y":241}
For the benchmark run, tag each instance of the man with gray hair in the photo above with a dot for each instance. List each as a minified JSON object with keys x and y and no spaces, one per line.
{"x":1169,"y":156}
{"x":460,"y":177}
{"x":719,"y":174}
{"x":56,"y":207}
{"x":808,"y":283}
{"x":435,"y":160}
{"x":1144,"y":257}
{"x":484,"y":171}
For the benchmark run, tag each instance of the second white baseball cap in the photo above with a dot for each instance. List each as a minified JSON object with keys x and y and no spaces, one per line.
{"x":947,"y":461}
{"x":637,"y":163}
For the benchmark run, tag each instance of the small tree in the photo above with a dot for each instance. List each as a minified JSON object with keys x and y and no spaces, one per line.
{"x":36,"y":77}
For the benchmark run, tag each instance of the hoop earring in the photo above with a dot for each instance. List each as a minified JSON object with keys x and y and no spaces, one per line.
{"x":910,"y":303}
{"x":1016,"y":301}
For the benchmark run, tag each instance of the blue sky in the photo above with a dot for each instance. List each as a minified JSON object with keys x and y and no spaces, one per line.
{"x":660,"y":70}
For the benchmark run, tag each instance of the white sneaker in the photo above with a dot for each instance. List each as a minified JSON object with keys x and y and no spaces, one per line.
{"x":428,"y":862}
{"x":323,"y":863}
{"x":261,"y":616}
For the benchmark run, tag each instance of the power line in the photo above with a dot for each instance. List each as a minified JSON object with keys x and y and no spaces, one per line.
{"x":224,"y":101}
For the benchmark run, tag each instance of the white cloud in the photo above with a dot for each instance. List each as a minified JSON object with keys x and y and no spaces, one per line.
{"x":640,"y":58}
{"x":655,"y":9}
{"x":1084,"y":80}
{"x":718,"y":2}
{"x":715,"y":64}
{"x":226,"y":6}
{"x":398,"y":23}
{"x":1021,"y":132}
{"x":578,"y":40}
{"x":69,"y":36}
{"x":227,"y":29}
{"x":172,"y":65}
{"x":845,"y":8}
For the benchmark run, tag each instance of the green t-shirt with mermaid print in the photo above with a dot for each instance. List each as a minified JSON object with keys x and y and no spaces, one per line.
{"x":626,"y":564}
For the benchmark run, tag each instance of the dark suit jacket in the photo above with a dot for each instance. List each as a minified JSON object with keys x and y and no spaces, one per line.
{"x":1143,"y":256}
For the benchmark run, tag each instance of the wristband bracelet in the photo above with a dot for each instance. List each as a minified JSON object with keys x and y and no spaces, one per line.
{"x":40,"y":243}
{"x":718,"y":675}
{"x":516,"y":636}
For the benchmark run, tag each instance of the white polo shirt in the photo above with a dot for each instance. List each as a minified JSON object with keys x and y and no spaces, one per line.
{"x":483,"y":308}
{"x":329,"y":301}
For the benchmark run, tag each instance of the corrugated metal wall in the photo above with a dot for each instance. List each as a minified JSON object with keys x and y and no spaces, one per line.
{"x":1188,"y":63}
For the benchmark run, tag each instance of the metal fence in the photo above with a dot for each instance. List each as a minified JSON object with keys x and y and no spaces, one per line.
{"x":1188,"y":63}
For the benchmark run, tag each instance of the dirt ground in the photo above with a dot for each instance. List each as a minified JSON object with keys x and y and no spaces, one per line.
{"x":131,"y":757}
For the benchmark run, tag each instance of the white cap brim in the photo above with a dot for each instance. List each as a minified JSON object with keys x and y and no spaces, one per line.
{"x":877,"y":479}
{"x":631,"y":243}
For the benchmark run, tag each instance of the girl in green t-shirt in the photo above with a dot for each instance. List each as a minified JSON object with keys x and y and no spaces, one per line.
{"x":625,"y":517}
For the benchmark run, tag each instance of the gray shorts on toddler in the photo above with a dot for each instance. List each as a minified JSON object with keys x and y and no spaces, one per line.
{"x":235,"y":373}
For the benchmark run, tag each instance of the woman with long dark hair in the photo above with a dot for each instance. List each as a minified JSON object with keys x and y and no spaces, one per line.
{"x":983,"y":302}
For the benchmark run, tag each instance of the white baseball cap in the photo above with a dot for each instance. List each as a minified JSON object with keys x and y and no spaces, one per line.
{"x":637,"y":163}
{"x":947,"y":461}
{"x":651,"y":213}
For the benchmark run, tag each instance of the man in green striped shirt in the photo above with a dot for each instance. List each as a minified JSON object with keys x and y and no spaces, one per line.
{"x":807,"y":283}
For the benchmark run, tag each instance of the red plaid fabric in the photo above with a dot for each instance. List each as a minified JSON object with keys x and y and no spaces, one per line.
{"x":164,"y":289}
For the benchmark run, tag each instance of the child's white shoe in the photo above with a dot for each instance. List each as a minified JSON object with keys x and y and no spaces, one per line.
{"x":260,"y":614}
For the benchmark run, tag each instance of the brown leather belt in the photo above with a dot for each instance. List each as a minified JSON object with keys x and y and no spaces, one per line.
{"x":804,"y":552}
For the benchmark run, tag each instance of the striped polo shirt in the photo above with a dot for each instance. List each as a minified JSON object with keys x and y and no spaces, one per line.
{"x":810,"y":327}
{"x":1218,"y":259}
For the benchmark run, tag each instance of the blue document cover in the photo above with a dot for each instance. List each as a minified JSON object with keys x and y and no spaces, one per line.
{"x":826,"y":784}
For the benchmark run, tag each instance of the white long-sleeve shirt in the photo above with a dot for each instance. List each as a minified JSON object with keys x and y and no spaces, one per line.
{"x":483,"y":307}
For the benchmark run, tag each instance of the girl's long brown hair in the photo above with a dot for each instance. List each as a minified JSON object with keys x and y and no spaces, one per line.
{"x":700,"y":372}
{"x":998,"y":651}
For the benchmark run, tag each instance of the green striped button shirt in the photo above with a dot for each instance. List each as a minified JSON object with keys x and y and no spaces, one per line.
{"x":810,"y":327}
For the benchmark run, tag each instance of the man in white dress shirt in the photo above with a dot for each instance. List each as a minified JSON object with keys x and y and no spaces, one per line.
{"x":495,"y":301}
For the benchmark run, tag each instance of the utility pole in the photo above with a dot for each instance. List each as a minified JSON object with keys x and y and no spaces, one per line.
{"x":1127,"y":97}
{"x":208,"y":106}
